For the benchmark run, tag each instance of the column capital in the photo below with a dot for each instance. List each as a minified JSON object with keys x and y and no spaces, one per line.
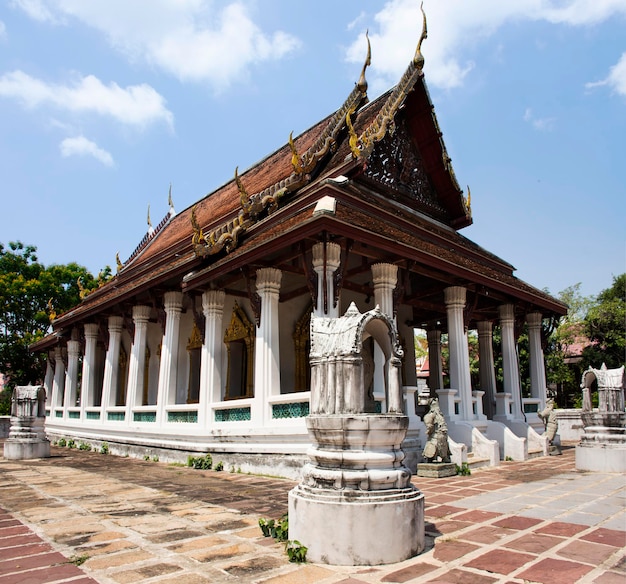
{"x":213,"y":300}
{"x":485,"y":328}
{"x":91,"y":330}
{"x":73,"y":348}
{"x":141,"y":313}
{"x":507,"y":313}
{"x":116,"y":324}
{"x":173,"y":301}
{"x":333,"y":255}
{"x":534,"y":319}
{"x":455,"y":296}
{"x":58,"y":353}
{"x":385,"y":275}
{"x":268,"y":280}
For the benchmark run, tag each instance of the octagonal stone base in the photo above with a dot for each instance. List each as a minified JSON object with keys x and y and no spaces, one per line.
{"x":356,"y":528}
{"x":601,"y":457}
{"x":26,"y":449}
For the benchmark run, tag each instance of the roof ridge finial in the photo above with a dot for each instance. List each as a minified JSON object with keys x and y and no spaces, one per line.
{"x":362,"y":83}
{"x":244,"y":198}
{"x":418,"y":59}
{"x":150,"y":228}
{"x":170,"y":202}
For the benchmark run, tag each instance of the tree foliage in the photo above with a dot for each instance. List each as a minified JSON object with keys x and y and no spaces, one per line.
{"x":30,"y":293}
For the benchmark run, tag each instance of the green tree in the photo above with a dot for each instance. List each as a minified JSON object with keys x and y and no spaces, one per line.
{"x":30,"y":294}
{"x":605,"y":326}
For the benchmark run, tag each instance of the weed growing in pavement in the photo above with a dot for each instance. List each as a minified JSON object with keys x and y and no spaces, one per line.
{"x":279,"y":530}
{"x":84,"y":446}
{"x":200,"y":462}
{"x":104,"y":448}
{"x":78,"y":560}
{"x":62,"y":443}
{"x":71,"y":443}
{"x":463,"y":470}
{"x":219,"y":466}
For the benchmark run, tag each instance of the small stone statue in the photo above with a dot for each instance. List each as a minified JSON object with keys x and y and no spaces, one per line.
{"x":551,"y":424}
{"x":437,"y":434}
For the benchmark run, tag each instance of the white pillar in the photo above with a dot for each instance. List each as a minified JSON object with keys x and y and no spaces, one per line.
{"x":49,"y":378}
{"x":537,"y":365}
{"x":435,"y":362}
{"x":325,"y":277}
{"x":137,"y":363}
{"x":459,"y":351}
{"x":211,"y":357}
{"x":71,"y":377}
{"x":385,"y":278}
{"x":486,"y":366}
{"x":58,"y":384}
{"x":266,"y":349}
{"x":111,"y":365}
{"x":168,"y":370}
{"x":88,"y":381}
{"x":510,"y":366}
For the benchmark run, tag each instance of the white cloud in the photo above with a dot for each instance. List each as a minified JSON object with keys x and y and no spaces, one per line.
{"x":37,"y":10}
{"x":541,"y":124}
{"x":193,"y":40}
{"x":616,"y":79}
{"x":136,"y":105}
{"x":459,"y":25}
{"x":81,"y":146}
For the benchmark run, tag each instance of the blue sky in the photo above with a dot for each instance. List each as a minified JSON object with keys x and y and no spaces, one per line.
{"x":104,"y":103}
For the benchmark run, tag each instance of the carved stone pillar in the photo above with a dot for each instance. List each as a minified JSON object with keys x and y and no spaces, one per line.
{"x":326,"y":260}
{"x":459,"y":351}
{"x":168,"y":370}
{"x":71,"y":377}
{"x":385,"y":278}
{"x":266,"y":349}
{"x":211,"y":358}
{"x":537,"y":365}
{"x":510,"y":367}
{"x":58,"y":384}
{"x":88,"y":383}
{"x":111,"y":365}
{"x":435,"y":363}
{"x":49,"y":378}
{"x":137,"y":363}
{"x":486,"y":367}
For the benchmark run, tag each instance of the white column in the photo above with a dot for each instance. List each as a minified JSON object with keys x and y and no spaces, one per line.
{"x":385,"y":278}
{"x":537,"y":365}
{"x":137,"y":363}
{"x":510,"y":366}
{"x":460,"y":379}
{"x":211,"y":357}
{"x":88,"y":383}
{"x":71,"y":377}
{"x":326,"y":277}
{"x":49,"y":378}
{"x":58,"y":384}
{"x":168,"y":370}
{"x":486,"y":366}
{"x":111,"y":365}
{"x":435,"y":362}
{"x":266,"y":349}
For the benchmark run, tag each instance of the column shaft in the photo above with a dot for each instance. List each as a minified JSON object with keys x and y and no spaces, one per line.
{"x":88,"y":382}
{"x":487,"y":367}
{"x":211,"y":358}
{"x":510,"y":364}
{"x":71,"y":378}
{"x":111,"y":365}
{"x":435,"y":362}
{"x":326,"y":260}
{"x":537,"y":364}
{"x":137,"y":362}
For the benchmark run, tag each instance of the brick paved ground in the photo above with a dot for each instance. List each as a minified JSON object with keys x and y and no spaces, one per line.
{"x":84,"y":518}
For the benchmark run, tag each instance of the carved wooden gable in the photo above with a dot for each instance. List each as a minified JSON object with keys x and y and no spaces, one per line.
{"x":396,"y":164}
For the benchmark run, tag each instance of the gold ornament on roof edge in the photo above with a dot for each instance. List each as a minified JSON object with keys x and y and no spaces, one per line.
{"x":362,"y":83}
{"x":418,"y":59}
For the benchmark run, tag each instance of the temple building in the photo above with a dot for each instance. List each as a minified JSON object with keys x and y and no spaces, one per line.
{"x":200,"y":342}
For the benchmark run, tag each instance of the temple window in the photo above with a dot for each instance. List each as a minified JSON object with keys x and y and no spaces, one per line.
{"x":194,"y":348}
{"x":239,"y":341}
{"x":302,"y":344}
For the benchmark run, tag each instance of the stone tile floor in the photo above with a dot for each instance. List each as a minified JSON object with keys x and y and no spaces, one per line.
{"x":84,"y":518}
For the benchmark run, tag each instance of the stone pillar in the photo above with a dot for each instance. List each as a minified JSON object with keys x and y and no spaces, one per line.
{"x":58,"y":385}
{"x":537,"y":366}
{"x":385,"y":278}
{"x":168,"y":370}
{"x":487,"y":367}
{"x":266,"y":349}
{"x":325,"y":278}
{"x":435,"y":362}
{"x":27,"y":436}
{"x":111,"y":365}
{"x":211,"y":358}
{"x":510,"y":366}
{"x":137,"y":362}
{"x":49,"y":379}
{"x":88,"y":387}
{"x":459,"y":351}
{"x":71,"y":377}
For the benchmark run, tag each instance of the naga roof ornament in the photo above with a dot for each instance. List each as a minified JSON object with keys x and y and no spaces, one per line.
{"x":468,"y":202}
